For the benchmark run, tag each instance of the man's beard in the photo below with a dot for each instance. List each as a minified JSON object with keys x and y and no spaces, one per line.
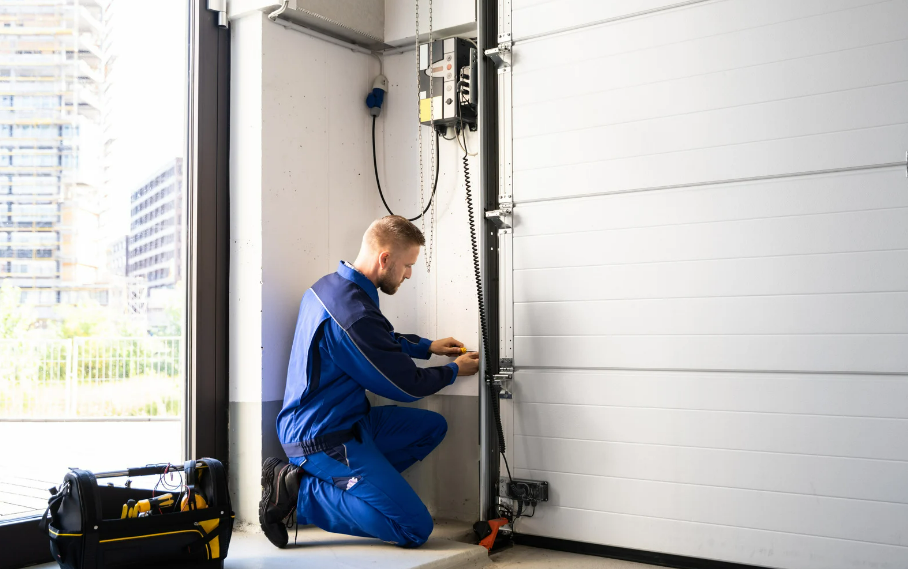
{"x":386,"y":284}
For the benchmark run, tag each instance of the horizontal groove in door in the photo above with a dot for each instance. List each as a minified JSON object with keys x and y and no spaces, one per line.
{"x":817,"y":115}
{"x":731,"y":33}
{"x":571,"y":15}
{"x":704,"y":541}
{"x":830,"y":273}
{"x":880,"y":313}
{"x":852,"y":395}
{"x":861,"y":438}
{"x":837,"y":151}
{"x":839,"y":72}
{"x":847,"y":232}
{"x":853,"y":520}
{"x":856,"y":353}
{"x":839,"y":192}
{"x":833,"y":477}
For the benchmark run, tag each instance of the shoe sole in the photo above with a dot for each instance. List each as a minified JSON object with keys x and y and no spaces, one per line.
{"x":267,"y":485}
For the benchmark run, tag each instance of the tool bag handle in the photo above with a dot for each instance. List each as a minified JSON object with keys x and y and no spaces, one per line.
{"x":53,"y":506}
{"x":219,"y":494}
{"x":147,"y":470}
{"x":218,"y":497}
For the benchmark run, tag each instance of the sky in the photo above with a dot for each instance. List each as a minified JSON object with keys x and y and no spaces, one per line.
{"x":150,"y":95}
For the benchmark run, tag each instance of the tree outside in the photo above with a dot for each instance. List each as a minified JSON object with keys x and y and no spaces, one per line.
{"x":16,"y":319}
{"x":90,"y":359}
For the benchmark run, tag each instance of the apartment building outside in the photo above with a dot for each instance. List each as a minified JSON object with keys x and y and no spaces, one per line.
{"x":155,"y":240}
{"x":52,"y":76}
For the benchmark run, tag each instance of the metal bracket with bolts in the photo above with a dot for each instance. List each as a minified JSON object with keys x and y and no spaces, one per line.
{"x":503,"y":380}
{"x":501,"y":55}
{"x":501,"y":217}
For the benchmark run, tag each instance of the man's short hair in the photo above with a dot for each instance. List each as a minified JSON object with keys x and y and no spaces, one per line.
{"x":394,"y":231}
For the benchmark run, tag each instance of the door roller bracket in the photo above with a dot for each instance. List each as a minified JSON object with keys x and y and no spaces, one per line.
{"x":501,"y":217}
{"x":502,"y":380}
{"x":500,"y":55}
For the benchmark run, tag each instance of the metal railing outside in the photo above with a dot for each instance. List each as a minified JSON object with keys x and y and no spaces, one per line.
{"x":91,"y":378}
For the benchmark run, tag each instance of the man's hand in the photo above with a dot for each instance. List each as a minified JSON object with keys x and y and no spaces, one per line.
{"x":446,"y":347}
{"x":467,"y":364}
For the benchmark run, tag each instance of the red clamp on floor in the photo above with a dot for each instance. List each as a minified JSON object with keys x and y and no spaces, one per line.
{"x":488,"y":531}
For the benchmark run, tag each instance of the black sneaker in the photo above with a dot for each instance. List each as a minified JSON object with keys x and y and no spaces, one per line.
{"x":280,"y":488}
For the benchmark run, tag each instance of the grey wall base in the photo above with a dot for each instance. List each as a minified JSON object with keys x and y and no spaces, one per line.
{"x":271,"y":445}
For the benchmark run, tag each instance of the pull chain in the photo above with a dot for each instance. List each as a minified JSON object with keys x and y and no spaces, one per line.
{"x":433,"y":149}
{"x":422,"y":219}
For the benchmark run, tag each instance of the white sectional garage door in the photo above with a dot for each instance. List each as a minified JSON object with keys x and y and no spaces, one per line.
{"x":710,"y":276}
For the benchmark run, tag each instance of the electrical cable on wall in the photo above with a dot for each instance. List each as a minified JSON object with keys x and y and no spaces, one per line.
{"x":378,"y":183}
{"x":483,"y":320}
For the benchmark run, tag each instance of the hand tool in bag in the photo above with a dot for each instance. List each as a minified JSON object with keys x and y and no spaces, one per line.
{"x":133,"y":509}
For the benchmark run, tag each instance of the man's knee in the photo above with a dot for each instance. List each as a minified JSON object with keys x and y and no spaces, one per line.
{"x":418,"y":530}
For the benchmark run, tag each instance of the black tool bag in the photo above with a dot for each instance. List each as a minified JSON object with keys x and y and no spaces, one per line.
{"x":83,"y":521}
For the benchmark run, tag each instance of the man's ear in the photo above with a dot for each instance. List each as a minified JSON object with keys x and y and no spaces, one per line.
{"x":384,"y":259}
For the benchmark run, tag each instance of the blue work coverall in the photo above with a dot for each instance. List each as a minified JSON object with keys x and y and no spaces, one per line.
{"x":354,"y":454}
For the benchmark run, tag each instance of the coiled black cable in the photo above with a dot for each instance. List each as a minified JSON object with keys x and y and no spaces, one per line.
{"x":377,"y":183}
{"x":483,"y":323}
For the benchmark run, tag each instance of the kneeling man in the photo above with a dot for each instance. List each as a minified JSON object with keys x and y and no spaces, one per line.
{"x":345,"y":457}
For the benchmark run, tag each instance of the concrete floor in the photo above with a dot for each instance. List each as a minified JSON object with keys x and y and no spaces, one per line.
{"x":316,"y":548}
{"x":446,"y":549}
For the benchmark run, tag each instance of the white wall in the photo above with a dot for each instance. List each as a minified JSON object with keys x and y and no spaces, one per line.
{"x":439,"y":302}
{"x":316,"y":176}
{"x":449,"y":17}
{"x":301,"y":194}
{"x":245,"y":285}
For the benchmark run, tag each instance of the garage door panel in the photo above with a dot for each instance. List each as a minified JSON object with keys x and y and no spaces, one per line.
{"x":882,"y":439}
{"x":709,"y":268}
{"x":531,"y":17}
{"x":884,"y":313}
{"x":877,"y":480}
{"x":773,"y":121}
{"x":876,"y":230}
{"x":814,"y":394}
{"x":883,"y":271}
{"x":873,"y":522}
{"x":808,"y":154}
{"x":881,"y":353}
{"x":709,"y":38}
{"x":723,"y":543}
{"x":880,"y":188}
{"x":751,"y":87}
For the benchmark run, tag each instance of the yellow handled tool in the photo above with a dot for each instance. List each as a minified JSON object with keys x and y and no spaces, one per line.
{"x":132,"y":509}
